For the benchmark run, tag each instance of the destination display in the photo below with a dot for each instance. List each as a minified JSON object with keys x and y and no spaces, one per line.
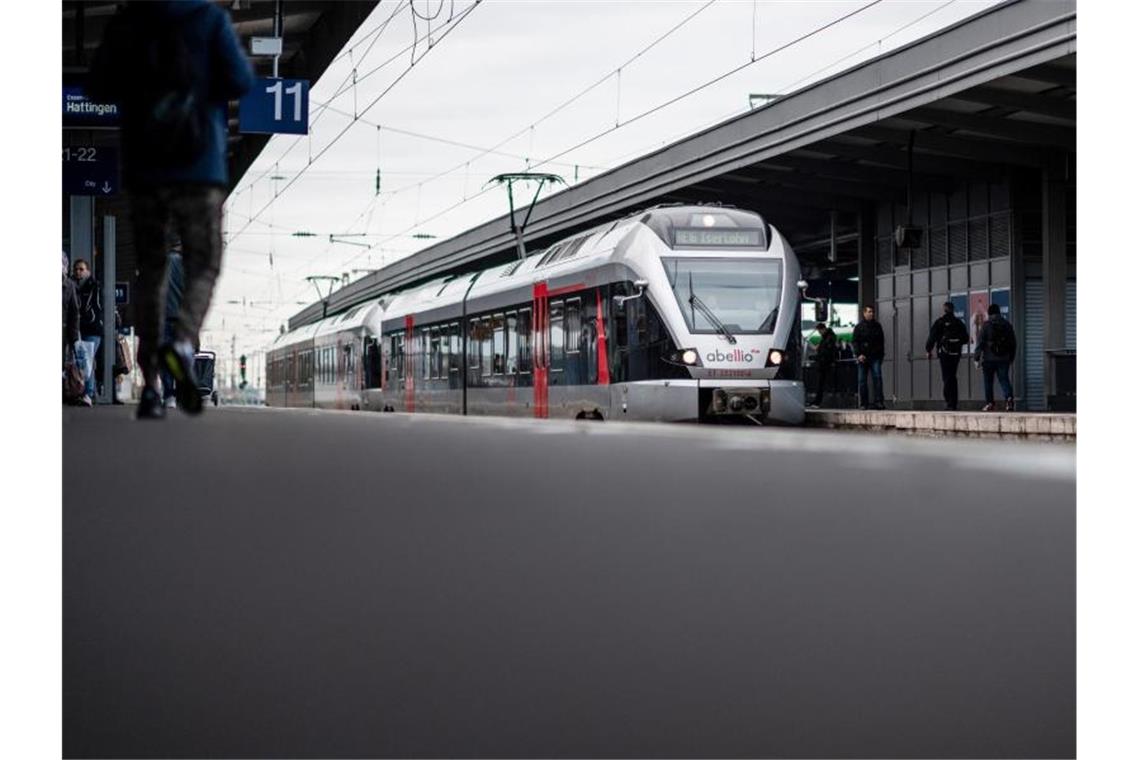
{"x":707,"y":237}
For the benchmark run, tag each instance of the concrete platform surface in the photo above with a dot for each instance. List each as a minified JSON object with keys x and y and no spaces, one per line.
{"x":1035,"y":426}
{"x":271,"y":583}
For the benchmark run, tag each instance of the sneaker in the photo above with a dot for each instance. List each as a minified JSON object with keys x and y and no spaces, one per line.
{"x":150,"y":406}
{"x":86,"y":401}
{"x":178,"y":358}
{"x":169,"y":402}
{"x":988,"y":408}
{"x":1009,"y":406}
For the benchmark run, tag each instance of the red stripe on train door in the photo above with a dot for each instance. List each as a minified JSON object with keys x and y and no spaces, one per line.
{"x":541,"y":356}
{"x":409,"y":375}
{"x":603,"y":355}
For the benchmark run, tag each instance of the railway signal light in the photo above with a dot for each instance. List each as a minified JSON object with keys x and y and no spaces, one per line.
{"x":241,"y":367}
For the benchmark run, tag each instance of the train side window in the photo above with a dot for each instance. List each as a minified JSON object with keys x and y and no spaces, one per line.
{"x":453,"y":348}
{"x":474,"y":350}
{"x":433,"y":370}
{"x":512,"y":343}
{"x":499,"y":345}
{"x":573,"y":325}
{"x":488,"y":362}
{"x":349,"y":367}
{"x":557,"y":336}
{"x":523,"y":341}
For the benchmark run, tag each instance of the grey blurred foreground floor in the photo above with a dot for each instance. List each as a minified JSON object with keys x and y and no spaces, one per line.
{"x":266,"y":583}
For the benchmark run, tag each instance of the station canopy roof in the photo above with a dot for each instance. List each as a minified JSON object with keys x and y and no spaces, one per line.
{"x":993,"y":91}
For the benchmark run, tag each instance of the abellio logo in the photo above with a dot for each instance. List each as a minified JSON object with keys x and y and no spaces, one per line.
{"x":735,"y":355}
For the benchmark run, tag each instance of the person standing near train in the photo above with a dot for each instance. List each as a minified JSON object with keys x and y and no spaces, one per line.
{"x":90,"y":321}
{"x":948,"y":334}
{"x":825,"y":358}
{"x":172,"y":67}
{"x":869,"y":344}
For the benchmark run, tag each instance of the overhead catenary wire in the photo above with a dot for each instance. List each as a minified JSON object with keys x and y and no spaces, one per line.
{"x":458,"y":20}
{"x":340,"y":90}
{"x":665,"y":104}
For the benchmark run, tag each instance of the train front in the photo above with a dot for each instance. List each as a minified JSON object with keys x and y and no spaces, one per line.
{"x":726,"y":285}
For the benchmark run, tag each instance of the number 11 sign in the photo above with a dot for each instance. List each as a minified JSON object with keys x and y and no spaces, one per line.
{"x":275,"y":106}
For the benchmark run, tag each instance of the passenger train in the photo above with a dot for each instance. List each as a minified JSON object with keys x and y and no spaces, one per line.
{"x":677,"y":313}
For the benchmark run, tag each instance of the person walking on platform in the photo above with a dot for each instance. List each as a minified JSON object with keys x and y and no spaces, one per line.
{"x":90,"y":321}
{"x":948,"y":334}
{"x":73,"y":381}
{"x":174,"y":286}
{"x":869,"y":345}
{"x":172,"y":67}
{"x":996,"y":350}
{"x":825,"y":358}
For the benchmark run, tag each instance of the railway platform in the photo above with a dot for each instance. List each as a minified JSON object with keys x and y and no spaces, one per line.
{"x":297,"y":583}
{"x":1029,"y":426}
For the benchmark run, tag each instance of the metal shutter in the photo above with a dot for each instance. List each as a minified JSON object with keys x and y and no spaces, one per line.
{"x":1071,"y":315}
{"x":1034,"y":349}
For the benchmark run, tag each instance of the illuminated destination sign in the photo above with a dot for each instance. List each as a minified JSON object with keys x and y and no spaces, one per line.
{"x":710,"y":237}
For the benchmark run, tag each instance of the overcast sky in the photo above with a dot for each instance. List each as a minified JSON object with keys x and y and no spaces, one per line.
{"x":498,"y":71}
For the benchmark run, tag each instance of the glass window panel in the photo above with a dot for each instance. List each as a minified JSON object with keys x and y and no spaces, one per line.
{"x":557,"y":332}
{"x":499,"y":349}
{"x":512,"y":343}
{"x":487,"y":346}
{"x":742,"y":295}
{"x":573,"y":325}
{"x":524,"y":340}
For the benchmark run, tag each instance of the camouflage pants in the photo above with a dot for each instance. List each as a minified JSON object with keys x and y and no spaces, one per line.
{"x":194,"y":213}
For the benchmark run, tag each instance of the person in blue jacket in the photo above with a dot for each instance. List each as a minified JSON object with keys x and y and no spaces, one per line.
{"x":172,"y":66}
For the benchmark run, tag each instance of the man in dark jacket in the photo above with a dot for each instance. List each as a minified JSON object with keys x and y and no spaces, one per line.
{"x":996,"y":350}
{"x":948,"y":335}
{"x":90,"y":319}
{"x":825,"y":358}
{"x":172,"y":67}
{"x":70,"y":311}
{"x":71,"y":341}
{"x":869,"y":345}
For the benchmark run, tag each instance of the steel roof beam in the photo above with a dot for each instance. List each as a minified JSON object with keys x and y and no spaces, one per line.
{"x":896,"y":158}
{"x":964,"y":147}
{"x":1045,"y":105}
{"x":1006,"y":129}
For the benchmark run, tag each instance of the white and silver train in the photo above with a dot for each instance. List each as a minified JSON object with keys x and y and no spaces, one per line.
{"x":676,"y":313}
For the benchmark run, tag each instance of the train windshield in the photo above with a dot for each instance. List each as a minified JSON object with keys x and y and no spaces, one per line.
{"x":728,"y":296}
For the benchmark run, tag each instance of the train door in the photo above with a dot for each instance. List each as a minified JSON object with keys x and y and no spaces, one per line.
{"x":409,"y":364}
{"x":540,"y":343}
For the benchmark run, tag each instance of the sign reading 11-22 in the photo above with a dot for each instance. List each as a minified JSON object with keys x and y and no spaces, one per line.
{"x":275,"y":106}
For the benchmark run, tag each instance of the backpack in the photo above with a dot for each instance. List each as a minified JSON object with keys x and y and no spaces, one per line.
{"x":1001,"y":338}
{"x":175,"y":121}
{"x":953,"y":337}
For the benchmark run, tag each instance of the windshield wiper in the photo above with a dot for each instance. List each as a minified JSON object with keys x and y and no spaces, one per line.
{"x":709,"y":314}
{"x":769,"y":323}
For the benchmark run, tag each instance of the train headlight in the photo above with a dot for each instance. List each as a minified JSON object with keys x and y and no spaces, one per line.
{"x":686,"y":357}
{"x":775,"y":357}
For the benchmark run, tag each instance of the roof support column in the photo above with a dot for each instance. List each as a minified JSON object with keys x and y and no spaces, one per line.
{"x":866,"y":232}
{"x":1054,"y":263}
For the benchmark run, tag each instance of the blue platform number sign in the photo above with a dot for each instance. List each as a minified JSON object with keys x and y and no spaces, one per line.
{"x":275,"y":106}
{"x":90,"y":170}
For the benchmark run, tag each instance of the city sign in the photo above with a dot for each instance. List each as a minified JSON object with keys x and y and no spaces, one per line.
{"x":90,"y":170}
{"x":81,"y":111}
{"x":275,"y":106}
